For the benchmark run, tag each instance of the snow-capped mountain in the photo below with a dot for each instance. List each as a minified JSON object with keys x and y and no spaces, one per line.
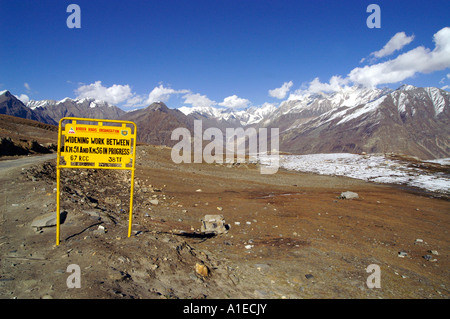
{"x":249,"y":116}
{"x":296,"y":111}
{"x":11,"y":105}
{"x":319,"y":102}
{"x":86,"y":108}
{"x":93,"y":103}
{"x":409,"y":120}
{"x":291,"y":112}
{"x":410,"y":103}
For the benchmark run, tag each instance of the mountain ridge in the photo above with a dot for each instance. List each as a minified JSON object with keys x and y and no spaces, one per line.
{"x":413,"y":121}
{"x":67,"y":107}
{"x":410,"y":120}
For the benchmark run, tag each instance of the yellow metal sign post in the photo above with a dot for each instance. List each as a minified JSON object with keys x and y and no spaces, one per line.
{"x":109,"y":144}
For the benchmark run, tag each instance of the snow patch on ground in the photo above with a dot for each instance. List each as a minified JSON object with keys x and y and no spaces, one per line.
{"x":372,"y":168}
{"x":442,"y":161}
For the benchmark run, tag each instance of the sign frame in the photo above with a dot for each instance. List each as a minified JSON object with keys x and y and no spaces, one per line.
{"x":123,"y":165}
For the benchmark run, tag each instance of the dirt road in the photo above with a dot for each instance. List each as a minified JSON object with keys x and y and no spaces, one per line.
{"x":24,"y":161}
{"x":289,"y":235}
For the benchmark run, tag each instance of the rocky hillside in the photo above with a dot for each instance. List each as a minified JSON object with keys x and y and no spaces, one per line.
{"x":156,"y":122}
{"x":410,"y":120}
{"x":10,"y":105}
{"x":20,"y":136}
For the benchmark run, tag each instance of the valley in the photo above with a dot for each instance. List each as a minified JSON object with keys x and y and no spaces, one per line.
{"x":289,"y":234}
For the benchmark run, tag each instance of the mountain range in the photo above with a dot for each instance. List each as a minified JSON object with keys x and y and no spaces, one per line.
{"x":409,"y":120}
{"x":413,"y":121}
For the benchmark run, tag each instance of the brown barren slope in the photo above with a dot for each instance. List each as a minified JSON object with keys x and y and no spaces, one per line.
{"x":289,"y":236}
{"x":25,"y":137}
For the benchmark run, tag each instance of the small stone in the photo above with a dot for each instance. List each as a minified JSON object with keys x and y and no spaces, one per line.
{"x":309,"y":276}
{"x":202,"y":270}
{"x":248,"y":246}
{"x":214,"y":223}
{"x":199,"y":190}
{"x":262,"y":267}
{"x":402,"y":254}
{"x":219,"y":208}
{"x":434,"y":252}
{"x":418,"y":240}
{"x":154,"y":202}
{"x":153,"y":267}
{"x":429,"y":258}
{"x":100,"y":230}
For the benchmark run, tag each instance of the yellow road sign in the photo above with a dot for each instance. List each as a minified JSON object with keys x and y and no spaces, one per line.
{"x":97,"y":144}
{"x":109,"y":144}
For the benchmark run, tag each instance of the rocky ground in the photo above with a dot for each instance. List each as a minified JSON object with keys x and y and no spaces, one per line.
{"x":289,"y":235}
{"x":20,"y":136}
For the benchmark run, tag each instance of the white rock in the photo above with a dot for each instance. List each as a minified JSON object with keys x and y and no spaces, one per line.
{"x":214,"y":223}
{"x":349,"y":195}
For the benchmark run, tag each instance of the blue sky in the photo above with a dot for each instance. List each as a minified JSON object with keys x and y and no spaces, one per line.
{"x":218,"y":53}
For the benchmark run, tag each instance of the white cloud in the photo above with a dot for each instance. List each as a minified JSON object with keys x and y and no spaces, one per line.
{"x":406,"y":65}
{"x":114,"y":94}
{"x":162,"y":94}
{"x":197,"y":100}
{"x":135,"y":101}
{"x":280,"y":93}
{"x":445,"y":87}
{"x":397,"y":42}
{"x":448,"y":76}
{"x":234,"y":101}
{"x":27,"y":86}
{"x":336,"y":83}
{"x":23,"y":97}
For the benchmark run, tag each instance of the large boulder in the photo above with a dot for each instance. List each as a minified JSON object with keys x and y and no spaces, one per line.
{"x":48,"y":220}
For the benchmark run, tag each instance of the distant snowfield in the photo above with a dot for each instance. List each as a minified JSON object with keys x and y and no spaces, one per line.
{"x":372,"y":168}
